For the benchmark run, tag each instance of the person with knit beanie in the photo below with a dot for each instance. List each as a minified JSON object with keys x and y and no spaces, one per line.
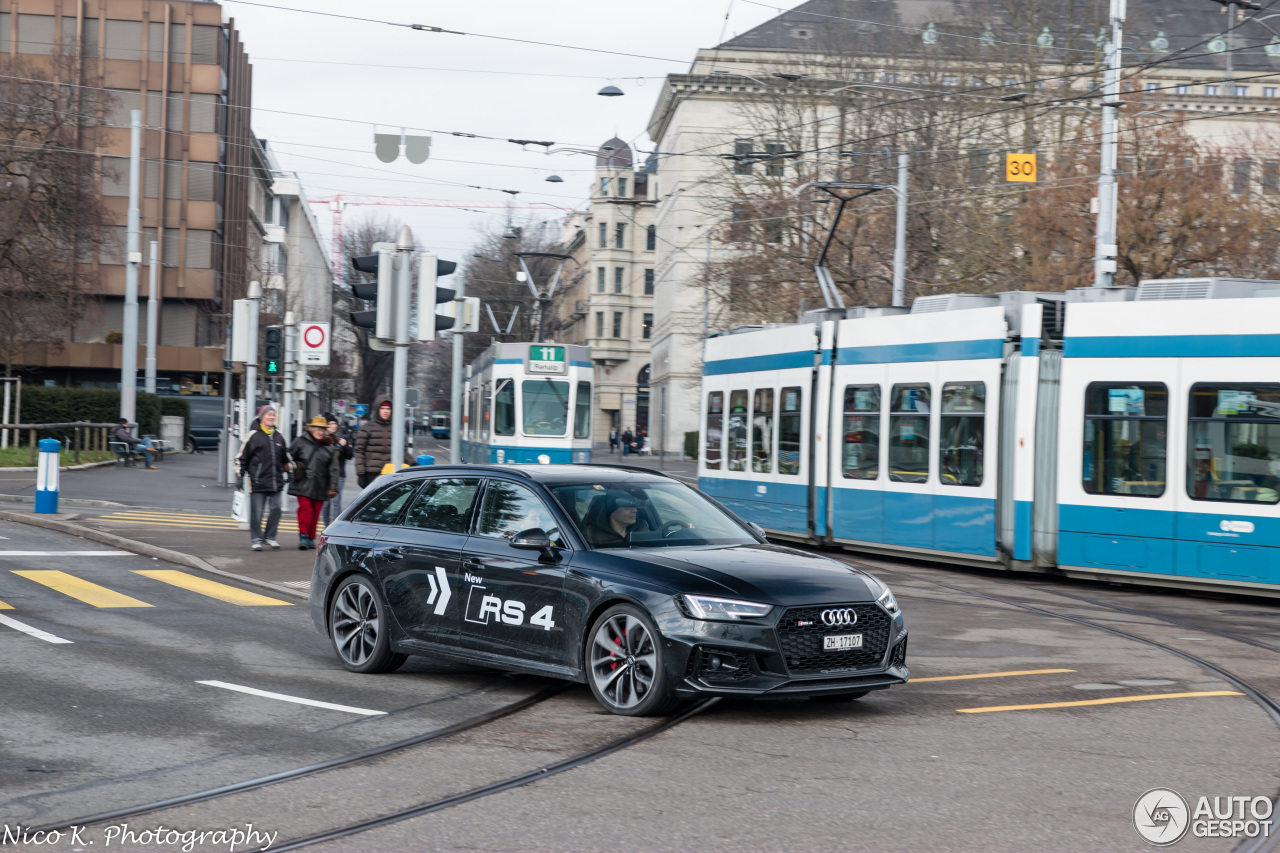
{"x":262,"y":463}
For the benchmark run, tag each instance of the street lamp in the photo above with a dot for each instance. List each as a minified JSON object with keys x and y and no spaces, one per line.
{"x":610,"y":92}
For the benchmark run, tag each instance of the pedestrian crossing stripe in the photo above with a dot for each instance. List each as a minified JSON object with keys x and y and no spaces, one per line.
{"x":89,"y":593}
{"x":212,"y":589}
{"x":4,"y":606}
{"x":207,"y":522}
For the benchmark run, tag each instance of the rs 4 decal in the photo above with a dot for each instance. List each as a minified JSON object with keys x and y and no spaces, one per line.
{"x":481,"y":607}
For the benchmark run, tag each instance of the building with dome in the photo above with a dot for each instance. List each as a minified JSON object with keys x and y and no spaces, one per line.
{"x":608,"y":305}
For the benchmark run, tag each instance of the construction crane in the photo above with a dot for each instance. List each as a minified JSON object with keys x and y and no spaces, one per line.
{"x":338,"y":203}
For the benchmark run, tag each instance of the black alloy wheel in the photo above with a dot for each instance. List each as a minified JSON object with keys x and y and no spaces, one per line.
{"x":625,"y":664}
{"x":358,"y":625}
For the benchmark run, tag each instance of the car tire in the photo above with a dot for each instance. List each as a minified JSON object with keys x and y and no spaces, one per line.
{"x":358,"y":628}
{"x":839,"y":697}
{"x":631,"y":681}
{"x":189,"y":446}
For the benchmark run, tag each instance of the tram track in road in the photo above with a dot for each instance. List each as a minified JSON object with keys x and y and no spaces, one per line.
{"x":344,"y":761}
{"x":1267,"y":703}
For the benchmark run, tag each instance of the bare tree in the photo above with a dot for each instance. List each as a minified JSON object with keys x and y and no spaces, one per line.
{"x":50,"y":212}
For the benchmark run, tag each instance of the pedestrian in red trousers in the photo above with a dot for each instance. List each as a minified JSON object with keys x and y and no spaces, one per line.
{"x":316,"y":468}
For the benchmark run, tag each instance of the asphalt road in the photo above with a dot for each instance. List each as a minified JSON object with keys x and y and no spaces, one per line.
{"x":119,"y":716}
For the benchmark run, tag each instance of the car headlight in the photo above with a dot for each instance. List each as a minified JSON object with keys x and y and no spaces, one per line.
{"x":724,"y":609}
{"x":887,"y":601}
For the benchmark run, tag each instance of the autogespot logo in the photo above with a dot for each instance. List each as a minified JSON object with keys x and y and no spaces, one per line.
{"x":1161,"y":817}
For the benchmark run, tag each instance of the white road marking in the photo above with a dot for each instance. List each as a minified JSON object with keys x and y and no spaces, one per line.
{"x":66,"y":554}
{"x":297,"y":699}
{"x":35,"y":632}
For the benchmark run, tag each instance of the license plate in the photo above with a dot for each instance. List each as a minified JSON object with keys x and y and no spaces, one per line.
{"x":842,"y":642}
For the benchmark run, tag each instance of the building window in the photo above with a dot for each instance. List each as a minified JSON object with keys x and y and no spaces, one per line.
{"x":651,"y":237}
{"x":715,"y":423}
{"x":617,"y":324}
{"x":961,"y":443}
{"x":620,"y":236}
{"x":1125,"y":429}
{"x":604,"y":186}
{"x":35,"y":34}
{"x":1240,"y":171}
{"x":618,"y":273}
{"x":1211,"y":90}
{"x":775,"y":168}
{"x":1182,"y":89}
{"x":742,"y":157}
{"x":124,"y":40}
{"x":773,"y":231}
{"x":1269,"y":91}
{"x":648,"y":326}
{"x":600,"y":279}
{"x":1152,"y":87}
{"x":739,"y":231}
{"x":1271,"y":177}
{"x":861,"y":460}
{"x":1233,"y":439}
{"x":737,"y":430}
{"x":978,"y":166}
{"x":622,"y":187}
{"x":890,"y":77}
{"x":648,"y":279}
{"x":950,"y":80}
{"x":599,"y":324}
{"x":604,"y":235}
{"x":1240,"y":91}
{"x":909,"y":434}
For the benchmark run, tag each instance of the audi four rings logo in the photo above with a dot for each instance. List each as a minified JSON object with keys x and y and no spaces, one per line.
{"x":842,"y":616}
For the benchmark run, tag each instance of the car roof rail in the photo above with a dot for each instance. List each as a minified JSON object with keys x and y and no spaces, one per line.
{"x":468,"y":466}
{"x":640,"y":468}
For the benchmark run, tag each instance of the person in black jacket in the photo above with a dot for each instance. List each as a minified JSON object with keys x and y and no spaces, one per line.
{"x":345,"y":447}
{"x":315,"y":477}
{"x":264,"y":461}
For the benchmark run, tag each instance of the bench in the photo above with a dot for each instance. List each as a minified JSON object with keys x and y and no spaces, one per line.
{"x":124,"y":455}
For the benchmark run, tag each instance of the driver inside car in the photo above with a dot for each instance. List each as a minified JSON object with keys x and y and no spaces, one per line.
{"x":610,"y":522}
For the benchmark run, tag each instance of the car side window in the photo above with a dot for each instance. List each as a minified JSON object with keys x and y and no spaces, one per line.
{"x":510,"y":508}
{"x":443,"y":504}
{"x":384,"y":507}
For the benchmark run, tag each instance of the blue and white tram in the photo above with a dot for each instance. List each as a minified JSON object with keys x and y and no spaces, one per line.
{"x":1132,"y":433}
{"x":528,"y":404}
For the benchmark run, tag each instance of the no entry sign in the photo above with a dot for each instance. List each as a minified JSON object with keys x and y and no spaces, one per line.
{"x":314,"y":344}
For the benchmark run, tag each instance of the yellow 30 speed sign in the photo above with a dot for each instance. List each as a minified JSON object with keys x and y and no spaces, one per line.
{"x":1019,"y":167}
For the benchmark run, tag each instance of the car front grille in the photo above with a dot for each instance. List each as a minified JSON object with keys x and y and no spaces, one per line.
{"x":800,"y":633}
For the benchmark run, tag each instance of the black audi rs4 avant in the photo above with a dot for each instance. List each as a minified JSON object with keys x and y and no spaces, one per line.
{"x":633,"y":582}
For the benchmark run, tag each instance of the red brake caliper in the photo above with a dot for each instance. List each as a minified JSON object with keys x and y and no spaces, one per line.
{"x":617,"y":641}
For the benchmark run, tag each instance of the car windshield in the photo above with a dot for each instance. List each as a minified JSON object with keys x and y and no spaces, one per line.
{"x":648,"y":515}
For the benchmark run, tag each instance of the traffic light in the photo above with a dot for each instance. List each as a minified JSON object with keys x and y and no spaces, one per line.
{"x":381,"y":292}
{"x":273,"y":352}
{"x":431,"y":294}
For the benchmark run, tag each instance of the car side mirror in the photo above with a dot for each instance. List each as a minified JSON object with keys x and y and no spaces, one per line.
{"x":757,"y":530}
{"x":534,"y":539}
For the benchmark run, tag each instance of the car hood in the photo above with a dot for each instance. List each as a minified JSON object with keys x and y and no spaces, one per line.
{"x":769,"y":574}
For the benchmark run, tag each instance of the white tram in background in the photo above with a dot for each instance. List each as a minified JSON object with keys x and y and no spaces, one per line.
{"x":1132,"y":433}
{"x":528,"y":404}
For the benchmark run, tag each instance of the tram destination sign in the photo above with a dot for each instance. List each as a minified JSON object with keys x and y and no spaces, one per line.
{"x":544,"y":358}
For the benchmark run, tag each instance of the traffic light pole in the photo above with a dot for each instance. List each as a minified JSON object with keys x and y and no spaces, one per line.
{"x":400,"y":359}
{"x":251,"y":366}
{"x":133,"y":257}
{"x":153,"y":319}
{"x":455,"y":388}
{"x":286,"y":399}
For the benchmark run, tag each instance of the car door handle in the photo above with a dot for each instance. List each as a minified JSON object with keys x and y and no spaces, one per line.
{"x":396,"y":553}
{"x":472,"y":563}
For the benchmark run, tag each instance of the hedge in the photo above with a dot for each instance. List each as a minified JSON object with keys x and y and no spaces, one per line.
{"x":691,"y":444}
{"x":44,"y":405}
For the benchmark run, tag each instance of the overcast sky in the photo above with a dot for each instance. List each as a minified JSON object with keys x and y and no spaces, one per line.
{"x":321,"y":67}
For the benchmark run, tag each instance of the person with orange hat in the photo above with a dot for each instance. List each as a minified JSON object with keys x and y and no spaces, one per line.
{"x":316,"y":468}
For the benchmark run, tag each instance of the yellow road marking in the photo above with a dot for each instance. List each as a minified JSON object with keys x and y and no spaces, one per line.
{"x":89,"y":593}
{"x":213,"y":589}
{"x":4,"y":606}
{"x":1114,"y":700}
{"x":989,"y":675}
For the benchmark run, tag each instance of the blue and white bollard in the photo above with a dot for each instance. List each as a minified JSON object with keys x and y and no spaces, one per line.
{"x":425,"y":459}
{"x":47,"y":476}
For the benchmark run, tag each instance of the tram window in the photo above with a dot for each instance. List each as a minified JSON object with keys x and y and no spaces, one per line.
{"x":762,"y":431}
{"x":737,"y":431}
{"x":582,"y":411}
{"x":789,"y":432}
{"x":504,"y":408}
{"x":1233,"y":443}
{"x":909,"y":434}
{"x":715,"y":424}
{"x":861,"y":432}
{"x":1125,"y":432}
{"x":486,"y":402}
{"x":546,"y":406}
{"x":960,"y":444}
